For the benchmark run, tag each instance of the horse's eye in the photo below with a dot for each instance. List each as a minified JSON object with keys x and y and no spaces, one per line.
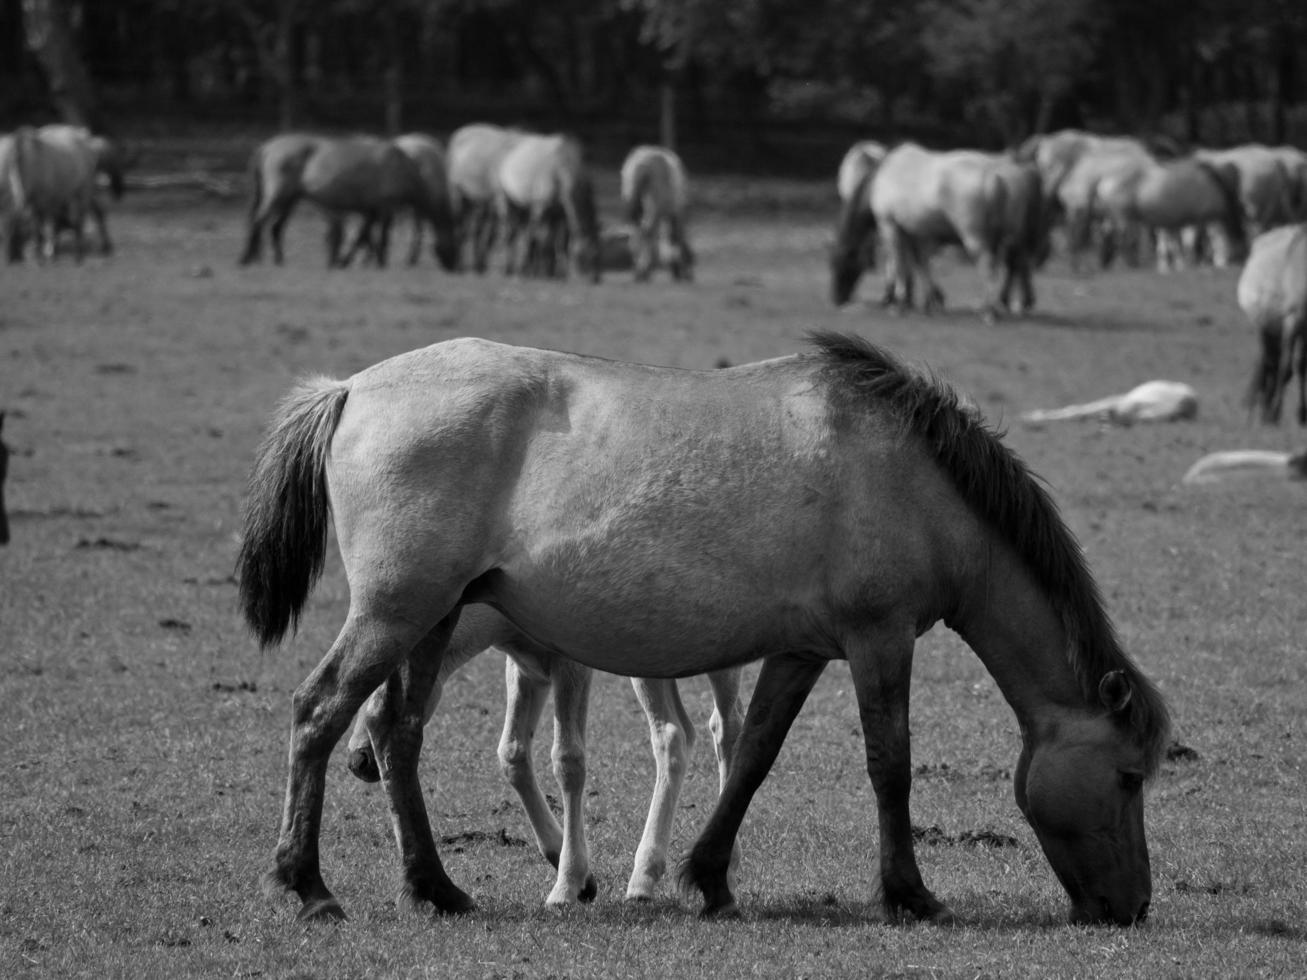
{"x":1131,"y":781}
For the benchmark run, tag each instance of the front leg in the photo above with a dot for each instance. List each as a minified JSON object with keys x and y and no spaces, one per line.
{"x":783,"y":685}
{"x":881,"y":665}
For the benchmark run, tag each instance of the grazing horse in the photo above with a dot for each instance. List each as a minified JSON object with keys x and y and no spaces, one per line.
{"x":546,"y":198}
{"x":655,"y":192}
{"x":475,"y":152}
{"x":355,"y":174}
{"x":428,"y":156}
{"x":531,"y":671}
{"x":1152,"y":401}
{"x":4,"y":472}
{"x":661,"y":522}
{"x":1168,"y":197}
{"x":921,"y":200}
{"x":111,"y":162}
{"x":1273,"y":295}
{"x":50,"y":179}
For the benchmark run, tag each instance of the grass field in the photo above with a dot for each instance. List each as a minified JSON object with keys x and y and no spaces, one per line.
{"x":144,"y":761}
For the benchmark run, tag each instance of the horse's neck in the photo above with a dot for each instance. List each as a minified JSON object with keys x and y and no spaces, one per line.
{"x":1011,"y":624}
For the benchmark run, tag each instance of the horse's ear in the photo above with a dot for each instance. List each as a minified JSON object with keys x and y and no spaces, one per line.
{"x":1114,"y":691}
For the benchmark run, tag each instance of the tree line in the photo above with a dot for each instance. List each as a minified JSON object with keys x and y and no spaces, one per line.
{"x":981,"y":72}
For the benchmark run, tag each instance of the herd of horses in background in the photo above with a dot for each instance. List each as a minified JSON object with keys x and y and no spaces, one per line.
{"x":532,"y":192}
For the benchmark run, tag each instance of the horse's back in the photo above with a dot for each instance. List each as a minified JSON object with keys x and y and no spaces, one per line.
{"x":580,"y":496}
{"x":1273,"y":283}
{"x":474,"y":154}
{"x":57,"y":168}
{"x":932,"y":195}
{"x":360,"y":173}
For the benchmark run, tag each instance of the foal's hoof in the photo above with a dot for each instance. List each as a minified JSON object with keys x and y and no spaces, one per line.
{"x":322,"y":910}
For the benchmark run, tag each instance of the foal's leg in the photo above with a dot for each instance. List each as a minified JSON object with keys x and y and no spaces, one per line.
{"x":397,"y":737}
{"x":726,"y":724}
{"x":526,"y":683}
{"x":671,"y":735}
{"x":364,"y":654}
{"x":881,"y":665}
{"x":571,"y":683}
{"x":783,"y":685}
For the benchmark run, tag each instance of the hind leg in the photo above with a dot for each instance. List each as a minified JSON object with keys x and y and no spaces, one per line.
{"x":365,"y":653}
{"x":726,"y":724}
{"x":397,"y":735}
{"x":526,"y":683}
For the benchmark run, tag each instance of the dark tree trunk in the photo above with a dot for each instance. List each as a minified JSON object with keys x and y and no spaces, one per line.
{"x":50,"y":37}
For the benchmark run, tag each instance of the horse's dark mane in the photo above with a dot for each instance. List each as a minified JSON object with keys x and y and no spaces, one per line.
{"x":1002,"y":491}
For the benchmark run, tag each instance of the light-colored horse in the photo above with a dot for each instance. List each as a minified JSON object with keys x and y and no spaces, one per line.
{"x":1266,"y":189}
{"x":50,"y":177}
{"x":546,"y":204}
{"x":531,"y":671}
{"x":921,"y":200}
{"x":1152,"y":401}
{"x":475,"y":152}
{"x":659,"y":522}
{"x":363,"y":175}
{"x":1260,"y":464}
{"x":1170,"y":196}
{"x":1273,"y":295}
{"x":655,"y":194}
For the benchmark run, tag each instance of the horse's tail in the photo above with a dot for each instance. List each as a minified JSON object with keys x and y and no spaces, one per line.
{"x":287,"y":509}
{"x":1233,"y":221}
{"x":23,"y":165}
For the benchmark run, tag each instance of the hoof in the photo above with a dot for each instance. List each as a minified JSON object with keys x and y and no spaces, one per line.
{"x":590,"y":890}
{"x":322,"y":910}
{"x":562,"y":896}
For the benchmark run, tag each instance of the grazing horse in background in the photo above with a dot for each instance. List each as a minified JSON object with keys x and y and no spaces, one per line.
{"x":921,"y":200}
{"x":655,"y":193}
{"x":1168,"y":197}
{"x":853,"y":184}
{"x":1273,"y":295}
{"x":364,"y":175}
{"x":428,"y":155}
{"x":1152,"y":401}
{"x":475,"y":152}
{"x":4,"y":472}
{"x":50,"y":179}
{"x":1070,"y":164}
{"x":661,"y":522}
{"x":546,"y":199}
{"x":1265,"y":188}
{"x":531,"y":671}
{"x":111,"y":162}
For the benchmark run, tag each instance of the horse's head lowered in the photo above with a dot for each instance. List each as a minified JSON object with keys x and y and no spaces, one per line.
{"x":1080,"y":785}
